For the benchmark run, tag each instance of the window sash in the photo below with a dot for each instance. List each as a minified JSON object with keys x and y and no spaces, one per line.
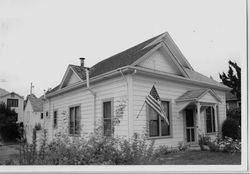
{"x":210,"y":120}
{"x":107,"y":118}
{"x":12,"y":102}
{"x":55,"y":119}
{"x":74,"y":120}
{"x":157,"y":125}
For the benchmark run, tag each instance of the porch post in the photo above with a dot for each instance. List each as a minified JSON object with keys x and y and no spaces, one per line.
{"x":216,"y":118}
{"x":198,"y":120}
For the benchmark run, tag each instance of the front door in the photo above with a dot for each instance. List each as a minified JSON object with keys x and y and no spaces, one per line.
{"x":190,"y":127}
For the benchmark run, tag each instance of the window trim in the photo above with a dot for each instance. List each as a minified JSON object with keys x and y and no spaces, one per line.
{"x":80,"y":108}
{"x":12,"y":99}
{"x":55,"y":110}
{"x":111,"y":99}
{"x":170,"y":120}
{"x":205,"y":120}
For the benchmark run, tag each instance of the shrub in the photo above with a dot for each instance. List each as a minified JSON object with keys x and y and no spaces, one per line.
{"x":230,"y":128}
{"x":203,"y":140}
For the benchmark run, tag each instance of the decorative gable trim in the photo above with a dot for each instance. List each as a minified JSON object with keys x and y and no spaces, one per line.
{"x":66,"y":74}
{"x":162,"y":45}
{"x":212,"y":93}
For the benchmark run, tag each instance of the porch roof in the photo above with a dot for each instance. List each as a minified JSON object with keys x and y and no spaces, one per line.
{"x":197,"y":94}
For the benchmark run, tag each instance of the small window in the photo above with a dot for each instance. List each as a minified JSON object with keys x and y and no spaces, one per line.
{"x":12,"y":102}
{"x":41,"y":115}
{"x":74,"y":120}
{"x":210,"y":120}
{"x":157,"y":125}
{"x":107,"y":118}
{"x":55,"y":119}
{"x":47,"y":114}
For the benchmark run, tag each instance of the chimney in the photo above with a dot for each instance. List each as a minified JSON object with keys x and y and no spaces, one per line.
{"x":82,"y":61}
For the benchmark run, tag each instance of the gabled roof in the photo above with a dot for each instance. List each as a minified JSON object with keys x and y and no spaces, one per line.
{"x":131,"y":55}
{"x":36,"y":103}
{"x":195,"y":95}
{"x":12,"y":93}
{"x":3,"y":92}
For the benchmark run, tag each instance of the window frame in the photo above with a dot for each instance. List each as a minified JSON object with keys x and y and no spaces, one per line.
{"x":41,"y":115}
{"x":212,"y":120}
{"x":80,"y":118}
{"x":12,"y":102}
{"x":159,"y":120}
{"x":111,"y":100}
{"x":55,"y":125}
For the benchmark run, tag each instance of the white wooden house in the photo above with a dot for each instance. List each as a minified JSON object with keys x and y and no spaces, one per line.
{"x":13,"y":101}
{"x":33,"y":115}
{"x":116,"y":88}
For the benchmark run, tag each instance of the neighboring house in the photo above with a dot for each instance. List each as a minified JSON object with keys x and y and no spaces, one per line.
{"x":116,"y":89}
{"x":14,"y":101}
{"x":232,"y":101}
{"x":33,"y":115}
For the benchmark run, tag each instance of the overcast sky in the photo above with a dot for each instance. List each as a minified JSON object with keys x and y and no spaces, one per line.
{"x":39,"y":38}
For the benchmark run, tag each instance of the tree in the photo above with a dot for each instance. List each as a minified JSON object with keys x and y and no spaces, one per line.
{"x":233,"y":79}
{"x":8,"y":126}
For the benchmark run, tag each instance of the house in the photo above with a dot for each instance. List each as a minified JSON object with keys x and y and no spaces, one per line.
{"x":14,"y":101}
{"x":116,"y":89}
{"x":33,"y":115}
{"x":232,"y":102}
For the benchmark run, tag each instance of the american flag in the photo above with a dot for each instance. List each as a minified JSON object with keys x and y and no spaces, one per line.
{"x":154,"y":101}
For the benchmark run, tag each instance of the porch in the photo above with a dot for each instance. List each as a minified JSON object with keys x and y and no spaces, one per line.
{"x":199,"y":109}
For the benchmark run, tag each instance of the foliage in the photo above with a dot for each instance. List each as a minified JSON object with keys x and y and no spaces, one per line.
{"x":225,"y":144}
{"x":203,"y":140}
{"x":8,"y":126}
{"x":230,"y":128}
{"x":235,"y":114}
{"x":182,"y":146}
{"x":233,"y":78}
{"x":38,"y":127}
{"x":93,"y":149}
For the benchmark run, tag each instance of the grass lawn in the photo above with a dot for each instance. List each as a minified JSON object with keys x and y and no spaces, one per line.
{"x":8,"y":152}
{"x":197,"y":157}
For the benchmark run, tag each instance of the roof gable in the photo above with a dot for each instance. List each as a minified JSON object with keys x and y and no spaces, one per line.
{"x":161,"y":59}
{"x":203,"y":95}
{"x":70,"y":77}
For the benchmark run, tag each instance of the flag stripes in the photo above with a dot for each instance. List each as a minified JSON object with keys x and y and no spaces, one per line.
{"x":153,"y":100}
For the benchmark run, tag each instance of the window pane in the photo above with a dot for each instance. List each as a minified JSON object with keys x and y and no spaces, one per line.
{"x":107,"y":127}
{"x":153,"y":128}
{"x":77,"y":120}
{"x":213,"y":121}
{"x":55,"y":118}
{"x":72,"y":121}
{"x":107,"y":120}
{"x":188,"y":135}
{"x":165,"y":128}
{"x":153,"y":123}
{"x":107,"y":109}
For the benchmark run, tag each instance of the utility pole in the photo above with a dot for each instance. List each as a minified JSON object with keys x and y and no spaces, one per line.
{"x":31,"y":87}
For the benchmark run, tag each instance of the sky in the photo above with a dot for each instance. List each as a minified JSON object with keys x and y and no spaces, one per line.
{"x":39,"y":38}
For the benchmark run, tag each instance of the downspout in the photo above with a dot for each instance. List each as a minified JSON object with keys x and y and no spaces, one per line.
{"x":129,"y":112}
{"x":94,"y":95}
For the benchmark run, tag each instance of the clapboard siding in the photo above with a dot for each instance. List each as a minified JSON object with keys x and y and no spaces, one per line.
{"x":168,"y":90}
{"x":115,"y":88}
{"x":160,"y":60}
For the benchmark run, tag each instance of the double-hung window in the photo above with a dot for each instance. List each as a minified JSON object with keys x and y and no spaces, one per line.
{"x":55,"y":119}
{"x":107,"y":118}
{"x":12,"y":102}
{"x":158,"y":127}
{"x":210,"y":120}
{"x":74,"y":120}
